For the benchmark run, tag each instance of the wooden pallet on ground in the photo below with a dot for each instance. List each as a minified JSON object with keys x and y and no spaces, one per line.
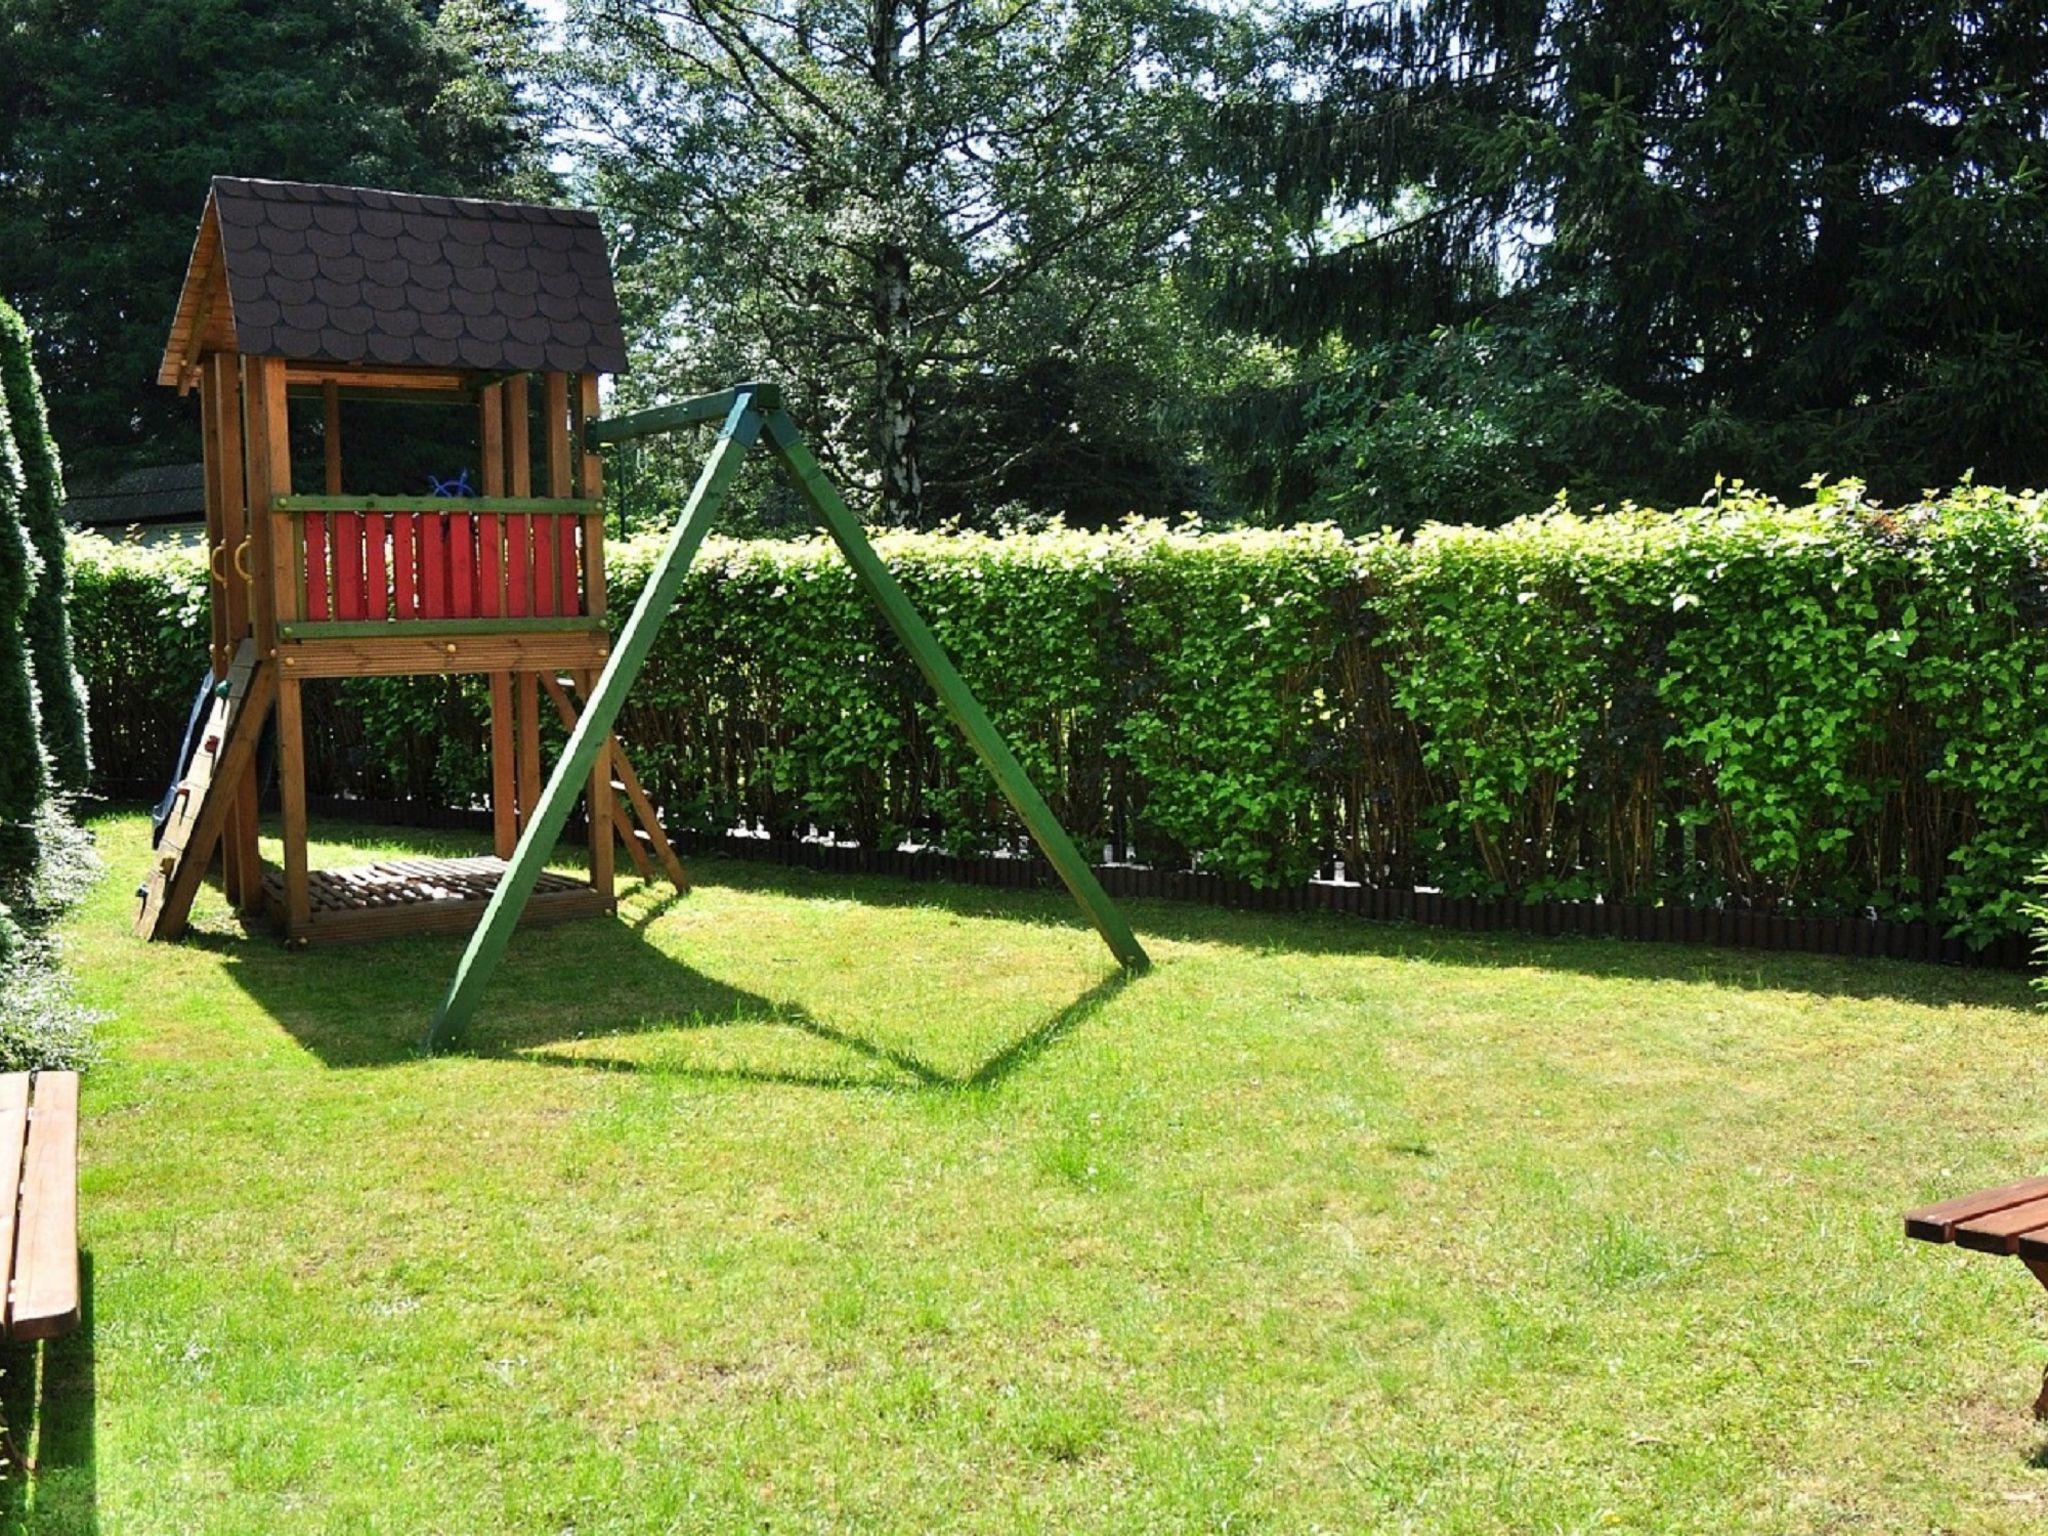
{"x":393,"y":898}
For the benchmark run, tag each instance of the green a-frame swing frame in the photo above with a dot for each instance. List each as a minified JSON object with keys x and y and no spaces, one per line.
{"x":747,"y":412}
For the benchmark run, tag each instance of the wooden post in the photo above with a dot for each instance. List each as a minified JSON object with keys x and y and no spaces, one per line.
{"x":270,"y":476}
{"x":224,"y":450}
{"x":526,"y":726}
{"x":590,"y":483}
{"x":256,"y":375}
{"x":505,"y":796}
{"x":504,"y":767}
{"x":490,"y":529}
{"x":549,"y":594}
{"x":330,"y":433}
{"x":218,"y":551}
{"x":518,"y":438}
{"x":291,"y":782}
{"x":219,"y":554}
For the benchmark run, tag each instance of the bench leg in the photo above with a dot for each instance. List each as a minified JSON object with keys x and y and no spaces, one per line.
{"x":2039,"y":1269}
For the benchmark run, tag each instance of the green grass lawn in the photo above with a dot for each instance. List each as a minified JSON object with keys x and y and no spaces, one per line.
{"x":809,"y":1203}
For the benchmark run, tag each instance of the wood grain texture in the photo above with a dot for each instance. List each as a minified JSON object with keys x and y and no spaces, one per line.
{"x":13,"y":1136}
{"x":504,"y":785}
{"x":404,"y":655}
{"x":43,"y":1301}
{"x":616,"y":818}
{"x":291,"y":795}
{"x":1998,"y":1231}
{"x":1937,"y":1223}
{"x":490,"y":526}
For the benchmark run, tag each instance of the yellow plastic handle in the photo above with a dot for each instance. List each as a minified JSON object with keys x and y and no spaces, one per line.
{"x":242,"y":561}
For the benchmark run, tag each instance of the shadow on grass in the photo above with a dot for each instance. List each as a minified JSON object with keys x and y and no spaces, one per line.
{"x":1310,"y":933}
{"x":48,"y":1394}
{"x":596,"y":980}
{"x":1326,"y":933}
{"x":367,"y":1006}
{"x":921,"y":1075}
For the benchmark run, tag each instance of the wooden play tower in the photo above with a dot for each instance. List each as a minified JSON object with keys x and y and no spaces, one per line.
{"x":299,"y":300}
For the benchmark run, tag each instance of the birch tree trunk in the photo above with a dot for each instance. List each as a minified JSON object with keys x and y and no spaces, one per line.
{"x":896,"y":392}
{"x":895,"y":444}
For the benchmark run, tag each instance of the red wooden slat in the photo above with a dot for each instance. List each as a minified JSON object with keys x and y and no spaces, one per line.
{"x":376,"y":590}
{"x":565,"y":580}
{"x":461,"y":566}
{"x":542,"y":566}
{"x":490,"y":531}
{"x":348,"y":565}
{"x":405,"y":566}
{"x":519,"y":567}
{"x":433,"y":566}
{"x":317,"y":606}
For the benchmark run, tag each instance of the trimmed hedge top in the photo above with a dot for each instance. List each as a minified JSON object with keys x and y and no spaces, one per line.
{"x":1829,"y":708}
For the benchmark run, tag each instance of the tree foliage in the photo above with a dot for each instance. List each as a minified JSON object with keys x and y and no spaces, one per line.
{"x":117,"y":112}
{"x":1780,"y":238}
{"x":895,"y":205}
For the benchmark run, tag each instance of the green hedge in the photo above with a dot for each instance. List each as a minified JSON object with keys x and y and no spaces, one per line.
{"x":23,"y":772}
{"x":1828,"y":708}
{"x":61,"y":694}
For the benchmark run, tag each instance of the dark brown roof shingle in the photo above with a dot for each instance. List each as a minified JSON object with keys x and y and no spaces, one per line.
{"x":350,"y":275}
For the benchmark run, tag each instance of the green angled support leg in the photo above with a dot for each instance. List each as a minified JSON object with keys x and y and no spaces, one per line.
{"x":748,"y":410}
{"x":953,"y":692}
{"x":494,"y":932}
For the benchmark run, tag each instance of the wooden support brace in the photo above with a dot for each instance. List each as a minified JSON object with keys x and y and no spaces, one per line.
{"x":638,"y":827}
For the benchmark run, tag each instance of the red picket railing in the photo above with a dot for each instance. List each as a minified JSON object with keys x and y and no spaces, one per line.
{"x":394,"y":559}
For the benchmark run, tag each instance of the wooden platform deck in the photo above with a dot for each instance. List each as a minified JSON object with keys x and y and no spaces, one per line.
{"x":396,"y":897}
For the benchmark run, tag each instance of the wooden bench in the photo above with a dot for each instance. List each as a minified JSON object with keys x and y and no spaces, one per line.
{"x":39,"y":1223}
{"x":2011,"y":1221}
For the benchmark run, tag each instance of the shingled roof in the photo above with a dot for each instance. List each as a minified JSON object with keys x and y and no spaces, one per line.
{"x":332,"y":274}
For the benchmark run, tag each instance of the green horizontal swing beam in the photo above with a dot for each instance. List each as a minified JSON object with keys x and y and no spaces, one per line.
{"x":746,"y":411}
{"x":684,"y":413}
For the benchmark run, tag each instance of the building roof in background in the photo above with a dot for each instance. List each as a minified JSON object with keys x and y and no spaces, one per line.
{"x":351,"y":275}
{"x":166,"y":494}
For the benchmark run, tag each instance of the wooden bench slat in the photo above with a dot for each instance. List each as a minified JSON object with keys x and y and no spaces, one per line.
{"x":1998,"y":1231}
{"x":1937,"y":1223}
{"x":13,"y":1133}
{"x":44,"y":1299}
